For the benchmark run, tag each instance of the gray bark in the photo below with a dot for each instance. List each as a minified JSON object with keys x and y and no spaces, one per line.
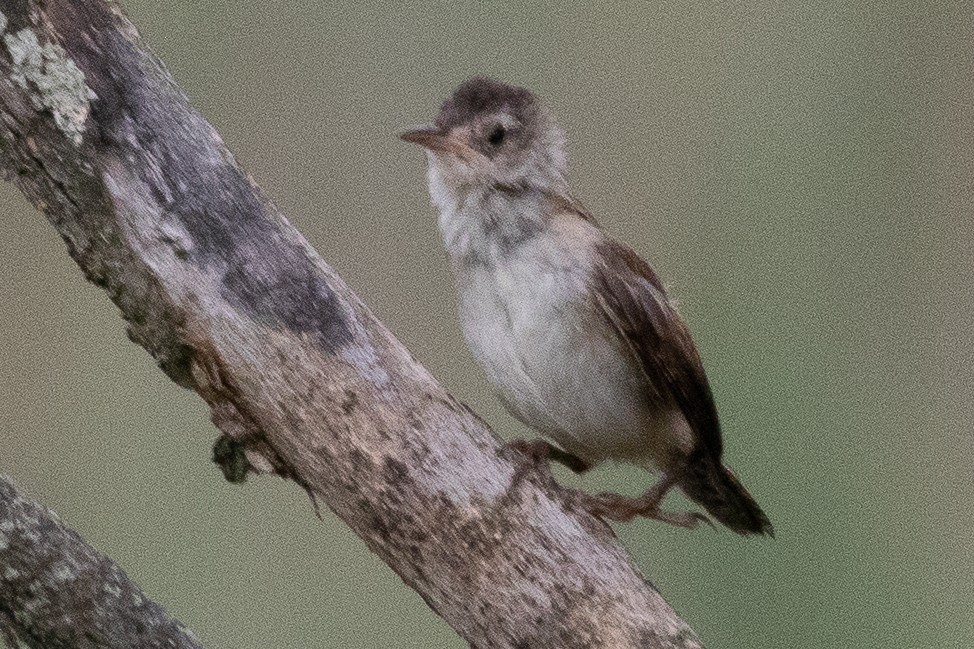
{"x":58,"y":591}
{"x":303,"y":381}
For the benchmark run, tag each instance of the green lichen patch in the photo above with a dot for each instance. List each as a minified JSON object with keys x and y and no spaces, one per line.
{"x":55,"y":82}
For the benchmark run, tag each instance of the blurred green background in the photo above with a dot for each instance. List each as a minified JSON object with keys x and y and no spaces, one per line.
{"x":799,"y":173}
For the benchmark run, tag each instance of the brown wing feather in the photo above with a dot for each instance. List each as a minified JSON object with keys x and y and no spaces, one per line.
{"x":636,"y":304}
{"x":565,"y":203}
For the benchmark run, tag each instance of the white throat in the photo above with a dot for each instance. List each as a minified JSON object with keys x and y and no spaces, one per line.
{"x":481,"y":223}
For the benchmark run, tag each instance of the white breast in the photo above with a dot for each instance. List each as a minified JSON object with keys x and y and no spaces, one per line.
{"x":529,"y":321}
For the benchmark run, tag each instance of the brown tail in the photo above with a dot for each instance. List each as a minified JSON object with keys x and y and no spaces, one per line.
{"x":715,"y":487}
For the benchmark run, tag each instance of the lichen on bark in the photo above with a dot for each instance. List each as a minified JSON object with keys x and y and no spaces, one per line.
{"x":55,"y":82}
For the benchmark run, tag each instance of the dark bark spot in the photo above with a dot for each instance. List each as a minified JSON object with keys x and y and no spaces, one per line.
{"x":289,"y":293}
{"x":360,"y":461}
{"x":16,"y":12}
{"x":176,"y":364}
{"x":415,"y":420}
{"x":350,"y":402}
{"x":396,"y":473}
{"x":375,"y":520}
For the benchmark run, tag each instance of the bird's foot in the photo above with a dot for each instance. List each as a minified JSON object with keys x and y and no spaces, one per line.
{"x":623,"y":508}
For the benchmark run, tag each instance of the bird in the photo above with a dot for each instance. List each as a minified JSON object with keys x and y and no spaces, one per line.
{"x":573,"y":329}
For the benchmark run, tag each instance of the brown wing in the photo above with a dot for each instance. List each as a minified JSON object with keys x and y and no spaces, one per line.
{"x":635,"y":303}
{"x":566,"y":203}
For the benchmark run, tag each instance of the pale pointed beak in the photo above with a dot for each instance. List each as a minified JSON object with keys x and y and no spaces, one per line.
{"x":437,"y":141}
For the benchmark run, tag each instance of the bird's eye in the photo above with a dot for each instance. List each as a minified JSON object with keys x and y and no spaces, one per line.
{"x":497,"y":135}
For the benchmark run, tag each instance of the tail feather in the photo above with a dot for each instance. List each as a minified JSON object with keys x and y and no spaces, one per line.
{"x":715,"y":487}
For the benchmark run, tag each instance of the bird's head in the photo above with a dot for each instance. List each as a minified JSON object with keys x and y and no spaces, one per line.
{"x":489,"y":133}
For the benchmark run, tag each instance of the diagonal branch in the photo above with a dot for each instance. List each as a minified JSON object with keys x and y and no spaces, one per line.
{"x":302,"y":379}
{"x":50,"y":579}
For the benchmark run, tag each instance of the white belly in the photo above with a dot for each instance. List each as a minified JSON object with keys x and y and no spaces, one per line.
{"x":555,"y":363}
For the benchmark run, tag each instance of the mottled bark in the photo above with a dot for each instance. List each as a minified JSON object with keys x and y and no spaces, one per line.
{"x":58,"y":591}
{"x":303,"y":381}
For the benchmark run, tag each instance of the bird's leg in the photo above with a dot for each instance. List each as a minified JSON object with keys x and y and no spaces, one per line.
{"x":541,"y":452}
{"x":622,"y":508}
{"x":605,"y":505}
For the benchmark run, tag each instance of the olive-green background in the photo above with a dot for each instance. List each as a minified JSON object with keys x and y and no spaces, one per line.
{"x":799,"y":173}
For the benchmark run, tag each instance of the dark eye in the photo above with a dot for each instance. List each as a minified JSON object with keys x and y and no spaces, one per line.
{"x":497,"y":135}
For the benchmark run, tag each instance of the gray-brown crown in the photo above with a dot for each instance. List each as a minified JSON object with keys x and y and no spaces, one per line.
{"x":482,"y":96}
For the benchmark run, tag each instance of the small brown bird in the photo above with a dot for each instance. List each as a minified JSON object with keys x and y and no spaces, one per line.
{"x":573,"y":328}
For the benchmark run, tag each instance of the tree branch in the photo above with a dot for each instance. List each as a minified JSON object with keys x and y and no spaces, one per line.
{"x":58,"y":591}
{"x":302,"y":379}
